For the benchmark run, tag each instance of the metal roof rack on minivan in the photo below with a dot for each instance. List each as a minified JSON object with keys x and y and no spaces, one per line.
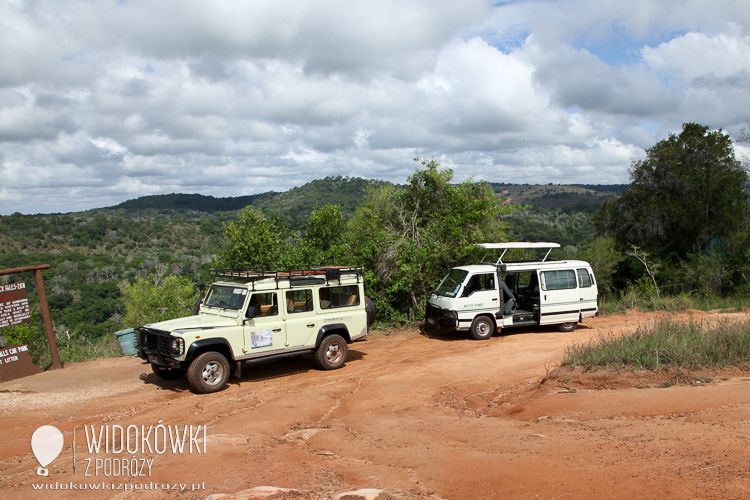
{"x":517,"y":245}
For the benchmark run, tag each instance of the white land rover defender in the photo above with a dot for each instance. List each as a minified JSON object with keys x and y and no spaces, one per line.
{"x":248,"y":315}
{"x":489,"y":296}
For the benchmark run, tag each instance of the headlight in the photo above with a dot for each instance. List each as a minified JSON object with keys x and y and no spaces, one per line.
{"x":177,"y":347}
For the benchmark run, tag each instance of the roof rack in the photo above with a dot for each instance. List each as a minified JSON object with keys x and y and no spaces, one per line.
{"x":517,"y":244}
{"x":296,"y":276}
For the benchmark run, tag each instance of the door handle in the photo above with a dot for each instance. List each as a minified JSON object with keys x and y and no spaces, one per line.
{"x":495,"y":300}
{"x":277,"y":329}
{"x":311,"y":325}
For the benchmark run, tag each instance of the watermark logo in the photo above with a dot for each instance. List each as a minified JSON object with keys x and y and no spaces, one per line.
{"x":46,"y":443}
{"x":113,"y":451}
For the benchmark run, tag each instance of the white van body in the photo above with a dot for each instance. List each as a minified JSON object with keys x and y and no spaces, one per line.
{"x":486,"y":297}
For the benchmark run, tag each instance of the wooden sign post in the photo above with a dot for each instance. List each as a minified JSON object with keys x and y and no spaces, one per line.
{"x":14,"y":307}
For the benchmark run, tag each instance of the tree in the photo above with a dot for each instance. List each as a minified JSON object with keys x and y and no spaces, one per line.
{"x":157,"y":298}
{"x":326,"y":228}
{"x":603,"y":257}
{"x":409,"y":237}
{"x":257,"y":242}
{"x":685,"y":193}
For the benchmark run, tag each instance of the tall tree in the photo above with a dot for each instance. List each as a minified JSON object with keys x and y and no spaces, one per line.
{"x":410,"y":236}
{"x":687,"y":191}
{"x":257,"y":242}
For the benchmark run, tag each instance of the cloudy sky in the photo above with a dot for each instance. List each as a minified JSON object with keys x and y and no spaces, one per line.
{"x":103,"y":101}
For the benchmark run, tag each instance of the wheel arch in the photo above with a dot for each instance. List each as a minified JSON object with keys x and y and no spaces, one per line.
{"x":203,"y":345}
{"x":487,"y":315}
{"x":333,"y":328}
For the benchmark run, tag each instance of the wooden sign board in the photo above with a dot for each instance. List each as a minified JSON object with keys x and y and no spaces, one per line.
{"x":15,"y":362}
{"x":14,"y":306}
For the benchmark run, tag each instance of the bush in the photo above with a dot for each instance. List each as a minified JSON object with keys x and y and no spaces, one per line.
{"x":28,"y":333}
{"x":157,"y":298}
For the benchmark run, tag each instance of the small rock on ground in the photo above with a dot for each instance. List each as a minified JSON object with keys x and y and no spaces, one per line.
{"x":257,"y":493}
{"x":365,"y":494}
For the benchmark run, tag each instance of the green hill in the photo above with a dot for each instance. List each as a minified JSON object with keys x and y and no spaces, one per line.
{"x":584,"y":197}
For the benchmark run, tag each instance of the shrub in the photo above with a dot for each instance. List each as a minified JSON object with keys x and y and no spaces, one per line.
{"x":667,"y":344}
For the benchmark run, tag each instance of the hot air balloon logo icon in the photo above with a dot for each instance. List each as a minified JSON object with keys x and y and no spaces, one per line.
{"x":46,"y":443}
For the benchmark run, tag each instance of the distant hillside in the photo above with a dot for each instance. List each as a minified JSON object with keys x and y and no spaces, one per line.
{"x":296,"y":204}
{"x":559,"y":196}
{"x":193,"y":202}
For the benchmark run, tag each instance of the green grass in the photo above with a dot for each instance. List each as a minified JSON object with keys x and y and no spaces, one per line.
{"x":667,"y":344}
{"x":672,"y":303}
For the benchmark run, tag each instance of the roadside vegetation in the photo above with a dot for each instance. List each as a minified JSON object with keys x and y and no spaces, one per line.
{"x":667,"y":344}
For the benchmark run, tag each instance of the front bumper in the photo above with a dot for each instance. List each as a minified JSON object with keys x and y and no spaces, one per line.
{"x":155,"y":346}
{"x":441,"y":318}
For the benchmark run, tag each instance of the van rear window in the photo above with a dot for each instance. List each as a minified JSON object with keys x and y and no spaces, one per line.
{"x":557,"y":280}
{"x":584,"y":279}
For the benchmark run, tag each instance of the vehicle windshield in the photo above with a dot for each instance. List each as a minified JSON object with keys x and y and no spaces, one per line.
{"x":226,"y":297}
{"x":451,"y":283}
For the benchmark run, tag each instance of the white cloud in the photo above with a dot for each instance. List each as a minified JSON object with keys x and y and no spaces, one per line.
{"x":105,"y":101}
{"x":695,"y":54}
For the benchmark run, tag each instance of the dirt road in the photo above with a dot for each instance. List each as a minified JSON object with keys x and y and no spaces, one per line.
{"x":417,"y":415}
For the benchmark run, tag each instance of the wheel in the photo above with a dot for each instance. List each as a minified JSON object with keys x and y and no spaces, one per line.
{"x":332,"y":352}
{"x":567,"y":327}
{"x":167,"y":373}
{"x":208,"y":372}
{"x":370,"y":310}
{"x":482,"y":328}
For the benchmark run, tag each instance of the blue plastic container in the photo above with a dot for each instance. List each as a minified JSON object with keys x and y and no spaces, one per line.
{"x":126,"y":339}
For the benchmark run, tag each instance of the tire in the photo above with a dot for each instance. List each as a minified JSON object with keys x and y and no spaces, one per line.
{"x":208,"y":372}
{"x":482,"y":328}
{"x":332,"y":353}
{"x":567,"y":327}
{"x":370,"y":310}
{"x":167,"y":373}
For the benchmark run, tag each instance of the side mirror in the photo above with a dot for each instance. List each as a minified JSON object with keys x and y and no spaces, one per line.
{"x":250,"y":312}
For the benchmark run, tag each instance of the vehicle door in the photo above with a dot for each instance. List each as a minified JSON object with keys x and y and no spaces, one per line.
{"x":302,"y":321}
{"x":479,"y":294}
{"x":559,"y":297}
{"x":587,"y":292}
{"x":263,"y":327}
{"x":339,"y":304}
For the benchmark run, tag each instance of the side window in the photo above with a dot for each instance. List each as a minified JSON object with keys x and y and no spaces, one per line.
{"x":567,"y":279}
{"x":557,"y":280}
{"x":583,"y":278}
{"x":265,"y":304}
{"x":339,"y":296}
{"x":480,"y":282}
{"x":299,"y":301}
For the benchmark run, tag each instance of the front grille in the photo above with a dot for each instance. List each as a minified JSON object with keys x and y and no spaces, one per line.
{"x":155,"y":341}
{"x":431,"y":312}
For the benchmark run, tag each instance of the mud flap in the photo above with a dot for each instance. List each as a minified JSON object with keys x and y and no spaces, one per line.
{"x":237,"y":372}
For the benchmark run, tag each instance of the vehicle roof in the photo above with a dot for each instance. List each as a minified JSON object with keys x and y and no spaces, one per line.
{"x":519,"y":244}
{"x":525,"y":265}
{"x":272,"y":284}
